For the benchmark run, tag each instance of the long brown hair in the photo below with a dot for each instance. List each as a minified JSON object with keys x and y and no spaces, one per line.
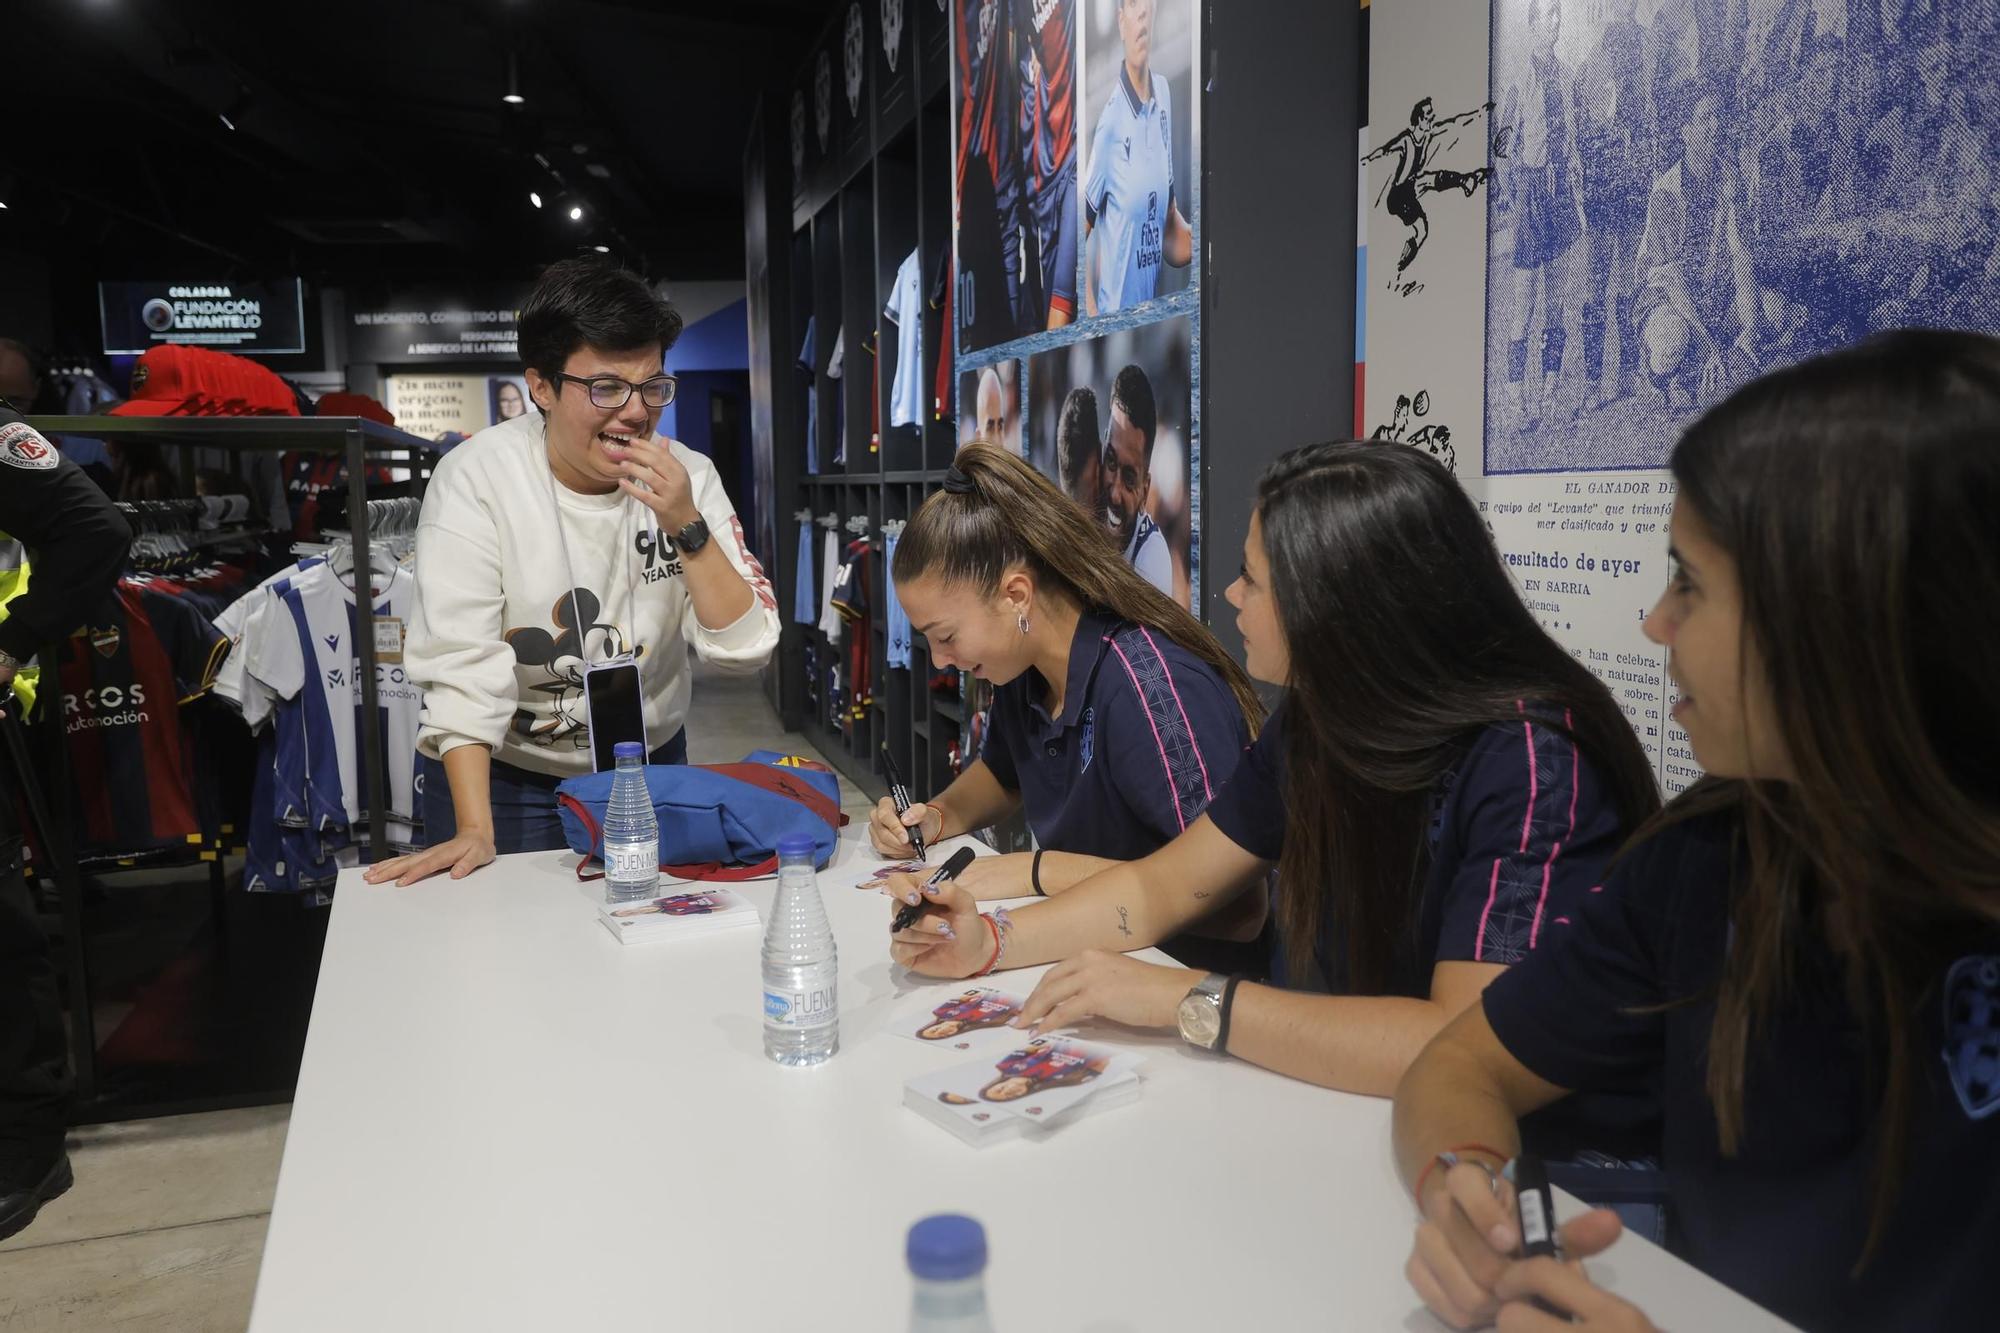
{"x":1405,"y":634}
{"x":1005,"y":513}
{"x":1856,"y":494}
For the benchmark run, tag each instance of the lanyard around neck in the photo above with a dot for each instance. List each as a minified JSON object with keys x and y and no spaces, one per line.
{"x":569,"y":567}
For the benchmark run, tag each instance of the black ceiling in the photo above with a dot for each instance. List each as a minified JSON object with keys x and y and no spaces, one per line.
{"x":371,"y":141}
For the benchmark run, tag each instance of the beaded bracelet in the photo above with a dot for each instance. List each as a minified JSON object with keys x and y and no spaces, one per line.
{"x":1003,"y":926}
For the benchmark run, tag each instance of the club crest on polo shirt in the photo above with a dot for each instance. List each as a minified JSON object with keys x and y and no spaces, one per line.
{"x":105,"y":640}
{"x":1089,"y":737}
{"x":1972,"y":1032}
{"x":22,"y":446}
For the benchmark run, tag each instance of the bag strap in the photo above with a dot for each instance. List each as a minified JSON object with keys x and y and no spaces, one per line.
{"x":582,"y":812}
{"x":771,"y":778}
{"x":714,"y":872}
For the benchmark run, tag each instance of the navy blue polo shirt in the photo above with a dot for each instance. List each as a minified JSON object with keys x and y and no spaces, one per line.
{"x":1784,"y":1221}
{"x":1521,"y":828}
{"x":1149,"y":732}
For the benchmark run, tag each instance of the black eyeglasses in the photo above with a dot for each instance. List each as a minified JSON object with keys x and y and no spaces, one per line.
{"x":608,"y":393}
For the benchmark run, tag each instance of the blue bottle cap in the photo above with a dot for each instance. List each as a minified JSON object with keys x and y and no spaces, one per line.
{"x":628,"y":750}
{"x":796,"y":844}
{"x":947,"y":1247}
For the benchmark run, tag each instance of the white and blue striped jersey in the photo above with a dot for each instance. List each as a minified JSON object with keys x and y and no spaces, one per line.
{"x":301,"y":646}
{"x":1129,"y":193}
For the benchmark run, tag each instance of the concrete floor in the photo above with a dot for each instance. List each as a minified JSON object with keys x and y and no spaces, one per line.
{"x":165,"y":1226}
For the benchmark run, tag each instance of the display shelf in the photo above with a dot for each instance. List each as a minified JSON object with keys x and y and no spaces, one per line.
{"x":844,"y":227}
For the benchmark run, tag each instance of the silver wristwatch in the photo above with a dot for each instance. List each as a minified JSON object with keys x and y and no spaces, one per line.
{"x":1201,"y":1013}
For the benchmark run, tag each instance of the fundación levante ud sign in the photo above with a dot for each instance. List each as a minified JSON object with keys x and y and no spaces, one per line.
{"x":225,"y":316}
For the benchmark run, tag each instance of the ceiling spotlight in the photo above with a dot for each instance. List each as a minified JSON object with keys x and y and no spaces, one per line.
{"x":602,"y":249}
{"x":512,"y":97}
{"x":576,"y":212}
{"x":535,"y":198}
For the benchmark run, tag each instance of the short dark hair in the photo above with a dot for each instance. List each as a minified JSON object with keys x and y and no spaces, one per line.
{"x":591,"y":303}
{"x":1078,"y":439}
{"x":1417,"y":111}
{"x":1132,"y":391}
{"x":38,"y":363}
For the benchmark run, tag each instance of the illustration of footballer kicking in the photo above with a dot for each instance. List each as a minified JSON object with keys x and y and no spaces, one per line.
{"x":1414,"y":176}
{"x":1040,"y":1066}
{"x":975,"y":1009}
{"x":1129,"y":193}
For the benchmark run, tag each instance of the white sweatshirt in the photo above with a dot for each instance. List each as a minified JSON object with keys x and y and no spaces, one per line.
{"x":493,"y":642}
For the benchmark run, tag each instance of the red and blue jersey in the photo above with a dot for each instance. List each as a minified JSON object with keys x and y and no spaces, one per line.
{"x":140,"y":656}
{"x":981,"y":120}
{"x":1048,"y":105}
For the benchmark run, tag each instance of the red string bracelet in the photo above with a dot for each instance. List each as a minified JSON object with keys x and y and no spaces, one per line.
{"x":994,"y":926}
{"x":1431,"y":1165}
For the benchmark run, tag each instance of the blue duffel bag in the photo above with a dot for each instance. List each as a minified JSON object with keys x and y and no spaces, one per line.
{"x":717,"y":821}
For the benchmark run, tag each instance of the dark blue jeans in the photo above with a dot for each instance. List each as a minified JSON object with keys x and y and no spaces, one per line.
{"x":524,"y":803}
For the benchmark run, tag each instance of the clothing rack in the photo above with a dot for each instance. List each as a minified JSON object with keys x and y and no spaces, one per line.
{"x":360,"y":442}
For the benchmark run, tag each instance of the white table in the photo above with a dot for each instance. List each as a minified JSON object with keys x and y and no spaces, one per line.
{"x":508,"y":1120}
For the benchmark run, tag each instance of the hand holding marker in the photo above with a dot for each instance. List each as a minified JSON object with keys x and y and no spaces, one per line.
{"x":907,"y":914}
{"x":900,"y":794}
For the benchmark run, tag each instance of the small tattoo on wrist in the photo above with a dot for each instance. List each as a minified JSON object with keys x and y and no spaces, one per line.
{"x":1124,"y":928}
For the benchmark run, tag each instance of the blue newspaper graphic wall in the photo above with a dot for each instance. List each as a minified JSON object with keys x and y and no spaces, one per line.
{"x":1687,"y":193}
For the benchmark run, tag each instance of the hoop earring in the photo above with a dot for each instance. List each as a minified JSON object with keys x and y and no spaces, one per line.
{"x":1021,"y":621}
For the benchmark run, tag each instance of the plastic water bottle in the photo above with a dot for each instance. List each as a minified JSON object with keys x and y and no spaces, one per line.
{"x":631,"y":830}
{"x":801,"y":965}
{"x":947,"y":1255}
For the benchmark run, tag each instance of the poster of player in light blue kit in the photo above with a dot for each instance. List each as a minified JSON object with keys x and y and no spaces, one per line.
{"x":1698,"y":191}
{"x":1137,"y":189}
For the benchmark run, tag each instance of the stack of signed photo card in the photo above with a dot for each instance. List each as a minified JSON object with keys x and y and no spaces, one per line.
{"x":1018,"y":1084}
{"x":680,"y":916}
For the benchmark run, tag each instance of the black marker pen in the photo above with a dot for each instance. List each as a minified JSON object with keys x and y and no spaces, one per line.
{"x":907,"y":914}
{"x":1537,"y":1207}
{"x":901,"y":796}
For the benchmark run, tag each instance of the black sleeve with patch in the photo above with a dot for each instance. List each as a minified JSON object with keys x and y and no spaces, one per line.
{"x":76,"y":538}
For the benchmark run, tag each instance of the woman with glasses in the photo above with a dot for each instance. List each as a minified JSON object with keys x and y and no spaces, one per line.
{"x":559,"y":542}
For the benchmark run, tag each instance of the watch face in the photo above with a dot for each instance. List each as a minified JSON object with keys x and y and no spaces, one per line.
{"x":1200,"y":1020}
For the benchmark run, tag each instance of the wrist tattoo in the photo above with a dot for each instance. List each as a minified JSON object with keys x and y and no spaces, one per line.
{"x":1124,"y":926}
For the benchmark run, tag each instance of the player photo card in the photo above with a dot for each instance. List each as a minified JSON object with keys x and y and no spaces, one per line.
{"x":690,"y":912}
{"x":877,"y":879}
{"x":1041,"y":1079}
{"x":974,"y":1018}
{"x":953,"y":1094}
